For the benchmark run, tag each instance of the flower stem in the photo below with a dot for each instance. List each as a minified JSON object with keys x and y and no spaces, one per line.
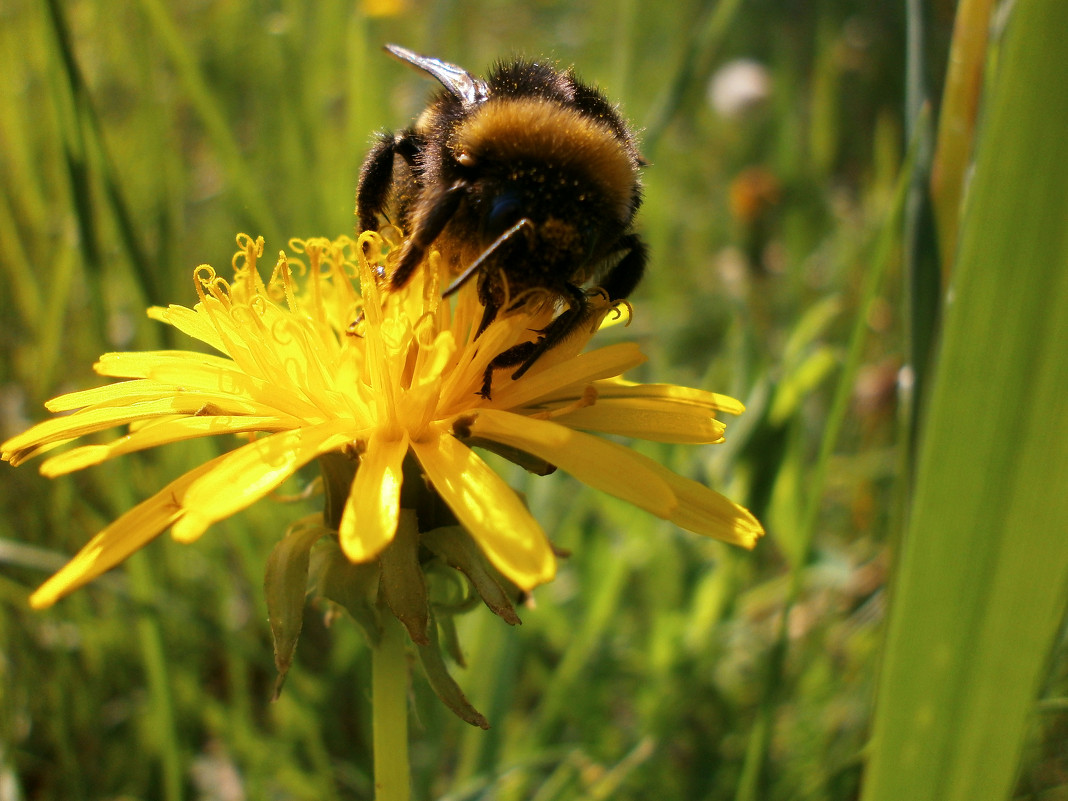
{"x":389,"y":695}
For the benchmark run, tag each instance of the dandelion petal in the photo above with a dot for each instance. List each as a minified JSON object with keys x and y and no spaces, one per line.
{"x":547,"y":379}
{"x":244,"y":476}
{"x":713,"y":401}
{"x":489,"y":509}
{"x":601,"y":464}
{"x":142,"y":364}
{"x":647,"y":420}
{"x":704,"y":511}
{"x":121,"y":538}
{"x":626,"y":474}
{"x":369,"y":521}
{"x":158,"y":433}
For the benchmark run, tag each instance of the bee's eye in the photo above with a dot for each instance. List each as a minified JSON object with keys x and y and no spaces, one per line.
{"x":504,"y":212}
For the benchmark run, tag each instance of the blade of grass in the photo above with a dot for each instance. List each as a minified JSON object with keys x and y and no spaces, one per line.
{"x":981,"y":585}
{"x":709,"y":33}
{"x":89,"y":159}
{"x":754,"y":769}
{"x":69,"y":96}
{"x":24,"y":292}
{"x":161,"y":709}
{"x":922,"y":275}
{"x":960,"y":108}
{"x":242,"y":178}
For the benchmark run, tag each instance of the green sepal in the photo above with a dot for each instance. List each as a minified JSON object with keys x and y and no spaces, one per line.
{"x":285,"y":585}
{"x":443,"y":685}
{"x":447,"y":623}
{"x":403,"y":585}
{"x":450,"y":591}
{"x":454,"y":546}
{"x":338,"y":470}
{"x":354,"y":587}
{"x":532,"y":464}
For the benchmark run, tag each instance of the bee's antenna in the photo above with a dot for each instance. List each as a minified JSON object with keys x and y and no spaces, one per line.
{"x":465,"y":276}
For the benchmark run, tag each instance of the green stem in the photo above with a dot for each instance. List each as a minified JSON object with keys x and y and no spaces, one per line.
{"x":389,"y":680}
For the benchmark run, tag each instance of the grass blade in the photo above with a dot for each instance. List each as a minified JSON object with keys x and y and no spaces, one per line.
{"x":981,"y":582}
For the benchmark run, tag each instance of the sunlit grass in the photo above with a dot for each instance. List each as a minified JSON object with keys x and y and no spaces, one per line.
{"x":137,"y":139}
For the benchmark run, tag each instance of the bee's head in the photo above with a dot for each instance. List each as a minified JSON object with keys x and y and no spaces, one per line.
{"x":571,"y":175}
{"x":565,"y":220}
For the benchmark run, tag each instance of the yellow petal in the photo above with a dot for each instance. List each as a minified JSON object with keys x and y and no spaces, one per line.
{"x":121,"y":538}
{"x":369,"y":521}
{"x":647,"y":419}
{"x":141,"y":364}
{"x":705,"y":511}
{"x":192,"y":323}
{"x":73,"y":426}
{"x":603,"y":465}
{"x":161,"y":433}
{"x":466,"y":377}
{"x":626,"y":474}
{"x":169,"y":370}
{"x":244,"y":476}
{"x":121,"y":392}
{"x":88,"y":421}
{"x":229,"y":380}
{"x":489,"y":509}
{"x":582,"y":369}
{"x":619,"y":388}
{"x":29,"y":449}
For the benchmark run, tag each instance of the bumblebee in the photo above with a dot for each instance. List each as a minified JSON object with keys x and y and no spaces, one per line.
{"x":527,"y":181}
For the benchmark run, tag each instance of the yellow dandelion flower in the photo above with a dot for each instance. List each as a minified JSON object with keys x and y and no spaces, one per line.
{"x":318,"y":359}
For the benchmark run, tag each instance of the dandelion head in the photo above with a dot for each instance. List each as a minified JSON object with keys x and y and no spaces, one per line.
{"x":316,"y":360}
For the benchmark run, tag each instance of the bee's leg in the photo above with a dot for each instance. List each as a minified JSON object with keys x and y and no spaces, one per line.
{"x":556,"y":331}
{"x":376,"y":175}
{"x":618,"y":282}
{"x":425,"y":230}
{"x":621,"y":280}
{"x":490,"y":307}
{"x":509,"y":358}
{"x":553,"y":334}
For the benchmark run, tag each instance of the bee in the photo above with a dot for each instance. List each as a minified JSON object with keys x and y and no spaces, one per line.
{"x":526,"y":180}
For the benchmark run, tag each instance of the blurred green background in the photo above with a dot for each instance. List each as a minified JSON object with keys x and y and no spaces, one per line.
{"x":798,"y":263}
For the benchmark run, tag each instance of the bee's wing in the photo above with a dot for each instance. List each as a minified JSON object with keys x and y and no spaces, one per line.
{"x":460,"y":82}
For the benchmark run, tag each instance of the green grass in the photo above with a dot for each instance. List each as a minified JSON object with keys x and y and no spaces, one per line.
{"x":136,"y":140}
